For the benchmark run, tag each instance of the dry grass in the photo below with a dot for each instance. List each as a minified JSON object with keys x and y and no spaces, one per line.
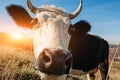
{"x":17,"y":64}
{"x":115,"y":71}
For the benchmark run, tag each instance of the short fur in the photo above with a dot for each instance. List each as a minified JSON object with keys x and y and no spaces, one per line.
{"x":53,"y":9}
{"x":88,"y":50}
{"x":82,"y":27}
{"x":20,"y":15}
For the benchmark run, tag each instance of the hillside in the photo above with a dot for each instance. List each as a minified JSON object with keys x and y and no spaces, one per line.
{"x":113,"y":46}
{"x":7,"y":40}
{"x":115,"y":50}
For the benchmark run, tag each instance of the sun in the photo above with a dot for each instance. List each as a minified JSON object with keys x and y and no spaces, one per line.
{"x":17,"y":36}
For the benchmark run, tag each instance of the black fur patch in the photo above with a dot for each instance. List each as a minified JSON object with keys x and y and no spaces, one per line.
{"x":82,"y":27}
{"x":19,"y":15}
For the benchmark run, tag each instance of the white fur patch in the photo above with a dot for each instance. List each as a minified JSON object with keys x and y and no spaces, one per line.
{"x":53,"y":9}
{"x":52,"y":77}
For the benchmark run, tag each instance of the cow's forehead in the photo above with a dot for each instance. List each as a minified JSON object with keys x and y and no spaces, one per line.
{"x":49,"y":13}
{"x":52,"y":9}
{"x":46,"y":16}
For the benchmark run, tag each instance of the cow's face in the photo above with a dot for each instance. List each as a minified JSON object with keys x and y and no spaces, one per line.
{"x":50,"y":38}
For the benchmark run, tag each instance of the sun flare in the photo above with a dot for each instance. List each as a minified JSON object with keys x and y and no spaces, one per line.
{"x":17,"y":36}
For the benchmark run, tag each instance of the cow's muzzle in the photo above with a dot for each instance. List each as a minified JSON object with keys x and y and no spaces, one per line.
{"x":56,"y":62}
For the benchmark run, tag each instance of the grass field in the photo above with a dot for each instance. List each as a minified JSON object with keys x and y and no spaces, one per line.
{"x":115,"y":71}
{"x":17,"y":64}
{"x":115,"y":68}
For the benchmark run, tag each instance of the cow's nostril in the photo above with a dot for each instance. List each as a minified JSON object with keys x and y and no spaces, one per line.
{"x":68,"y":63}
{"x":68,"y":59}
{"x":46,"y":57}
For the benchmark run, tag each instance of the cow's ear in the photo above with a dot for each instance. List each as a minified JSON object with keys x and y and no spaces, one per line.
{"x":82,"y":27}
{"x":19,"y":15}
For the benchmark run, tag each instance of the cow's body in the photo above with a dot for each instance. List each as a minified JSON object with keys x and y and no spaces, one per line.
{"x":88,"y":51}
{"x":52,"y":30}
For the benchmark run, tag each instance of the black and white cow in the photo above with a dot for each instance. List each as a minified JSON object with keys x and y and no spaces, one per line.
{"x":52,"y":30}
{"x":50,"y":37}
{"x":88,"y":51}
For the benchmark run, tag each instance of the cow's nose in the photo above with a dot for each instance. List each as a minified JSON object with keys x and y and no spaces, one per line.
{"x":54,"y":62}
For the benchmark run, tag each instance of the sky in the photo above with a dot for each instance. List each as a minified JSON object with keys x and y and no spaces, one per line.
{"x":103,"y":15}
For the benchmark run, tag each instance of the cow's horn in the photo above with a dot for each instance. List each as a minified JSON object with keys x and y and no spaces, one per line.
{"x":77,"y":11}
{"x":30,"y":6}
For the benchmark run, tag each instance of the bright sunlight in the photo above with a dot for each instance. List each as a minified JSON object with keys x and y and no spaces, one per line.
{"x":17,"y":36}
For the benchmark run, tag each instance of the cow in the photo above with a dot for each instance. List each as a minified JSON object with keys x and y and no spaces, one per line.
{"x":89,"y":51}
{"x":51,"y":27}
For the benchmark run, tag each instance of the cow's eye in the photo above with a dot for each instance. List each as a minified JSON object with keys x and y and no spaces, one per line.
{"x":35,"y":23}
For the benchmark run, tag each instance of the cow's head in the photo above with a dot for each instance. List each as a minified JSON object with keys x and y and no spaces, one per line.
{"x":50,"y":37}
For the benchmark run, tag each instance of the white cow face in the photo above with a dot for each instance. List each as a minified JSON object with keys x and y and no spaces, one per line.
{"x":50,"y":31}
{"x":51,"y":40}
